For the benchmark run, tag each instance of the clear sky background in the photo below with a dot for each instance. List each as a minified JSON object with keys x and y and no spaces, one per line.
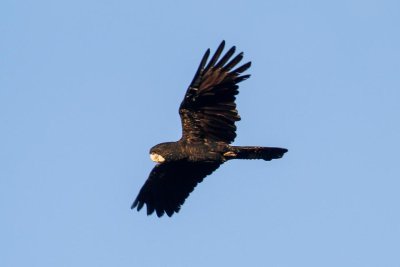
{"x":87,"y":87}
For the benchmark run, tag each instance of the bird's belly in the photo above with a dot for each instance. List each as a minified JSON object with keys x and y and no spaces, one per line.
{"x":203,"y":153}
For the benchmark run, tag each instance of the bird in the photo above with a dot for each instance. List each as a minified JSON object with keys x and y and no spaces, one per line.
{"x":208,"y":115}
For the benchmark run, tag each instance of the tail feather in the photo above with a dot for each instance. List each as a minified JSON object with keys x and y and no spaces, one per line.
{"x":256,"y":152}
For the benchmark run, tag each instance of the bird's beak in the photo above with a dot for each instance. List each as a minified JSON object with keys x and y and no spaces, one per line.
{"x":156,"y":158}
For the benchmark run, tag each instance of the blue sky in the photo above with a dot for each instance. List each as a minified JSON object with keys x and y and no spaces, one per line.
{"x":87,"y":87}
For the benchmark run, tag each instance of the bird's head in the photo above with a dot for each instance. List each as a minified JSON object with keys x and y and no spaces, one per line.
{"x":160,"y":152}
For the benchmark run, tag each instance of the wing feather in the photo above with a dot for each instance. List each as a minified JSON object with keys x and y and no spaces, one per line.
{"x":169,"y":184}
{"x":215,"y":56}
{"x":233,"y":62}
{"x":225,"y":58}
{"x":208,"y":110}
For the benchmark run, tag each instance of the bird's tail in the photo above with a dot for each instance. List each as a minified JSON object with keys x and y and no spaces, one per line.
{"x":255,"y":152}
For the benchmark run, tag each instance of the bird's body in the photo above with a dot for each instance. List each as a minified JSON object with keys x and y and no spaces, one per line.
{"x":209,"y":152}
{"x":208,"y":115}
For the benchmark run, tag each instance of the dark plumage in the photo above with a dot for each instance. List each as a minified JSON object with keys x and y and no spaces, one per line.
{"x":208,"y":115}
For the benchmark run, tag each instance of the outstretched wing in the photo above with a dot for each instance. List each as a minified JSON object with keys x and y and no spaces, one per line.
{"x":169,"y":184}
{"x":208,"y":110}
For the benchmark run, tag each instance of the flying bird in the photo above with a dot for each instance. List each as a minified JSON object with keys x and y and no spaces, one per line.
{"x":208,"y":116}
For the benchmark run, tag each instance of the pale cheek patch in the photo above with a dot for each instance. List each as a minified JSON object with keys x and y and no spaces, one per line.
{"x":156,"y":158}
